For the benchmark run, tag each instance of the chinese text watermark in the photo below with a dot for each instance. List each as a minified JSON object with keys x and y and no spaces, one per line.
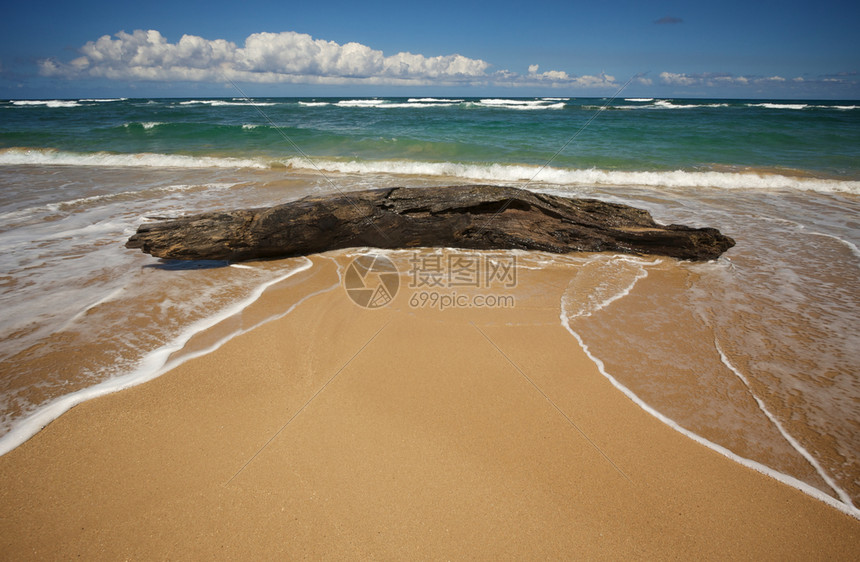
{"x":440,"y":280}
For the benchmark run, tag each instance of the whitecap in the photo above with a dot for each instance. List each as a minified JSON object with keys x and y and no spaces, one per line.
{"x":46,"y":103}
{"x":768,"y":105}
{"x":222,"y":103}
{"x":18,"y":156}
{"x":434,"y":100}
{"x":518,"y":173}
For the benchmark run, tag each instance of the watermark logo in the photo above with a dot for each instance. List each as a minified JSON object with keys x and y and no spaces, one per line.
{"x":462,"y":270}
{"x":440,"y":280}
{"x":371,"y":281}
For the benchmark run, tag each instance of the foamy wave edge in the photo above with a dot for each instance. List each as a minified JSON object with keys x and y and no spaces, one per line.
{"x":151,"y":366}
{"x":846,"y":508}
{"x":502,"y":173}
{"x":562,"y":176}
{"x":47,"y":157}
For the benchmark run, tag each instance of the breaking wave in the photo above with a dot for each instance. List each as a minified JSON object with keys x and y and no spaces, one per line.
{"x":498,"y":172}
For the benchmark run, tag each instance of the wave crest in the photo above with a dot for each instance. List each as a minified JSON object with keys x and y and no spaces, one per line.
{"x":47,"y":156}
{"x":517,"y":173}
{"x":46,"y":103}
{"x":502,"y":173}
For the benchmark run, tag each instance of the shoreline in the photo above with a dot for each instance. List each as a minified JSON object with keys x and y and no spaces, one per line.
{"x":454,"y":423}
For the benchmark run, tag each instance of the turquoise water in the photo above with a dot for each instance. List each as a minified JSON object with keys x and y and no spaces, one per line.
{"x":757,"y":352}
{"x":818,"y":138}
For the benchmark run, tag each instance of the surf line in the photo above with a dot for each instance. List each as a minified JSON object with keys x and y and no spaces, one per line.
{"x":846,"y":508}
{"x":843,"y":496}
{"x":150,"y":366}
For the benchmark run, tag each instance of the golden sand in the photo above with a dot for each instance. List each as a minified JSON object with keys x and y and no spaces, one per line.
{"x":397,"y":433}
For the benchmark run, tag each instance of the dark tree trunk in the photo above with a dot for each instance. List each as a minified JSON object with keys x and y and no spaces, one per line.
{"x":473,"y":216}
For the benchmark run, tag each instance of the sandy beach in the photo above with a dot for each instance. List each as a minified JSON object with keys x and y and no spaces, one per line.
{"x":397,"y":433}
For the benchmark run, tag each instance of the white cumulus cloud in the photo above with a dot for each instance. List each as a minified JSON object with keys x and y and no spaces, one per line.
{"x":264,"y":57}
{"x":561,"y":78}
{"x":716,"y":79}
{"x":678,"y":79}
{"x":286,"y":57}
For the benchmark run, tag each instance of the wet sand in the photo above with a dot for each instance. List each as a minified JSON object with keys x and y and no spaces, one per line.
{"x":400,"y":432}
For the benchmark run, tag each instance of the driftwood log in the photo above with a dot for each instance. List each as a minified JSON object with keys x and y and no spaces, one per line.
{"x":473,"y":217}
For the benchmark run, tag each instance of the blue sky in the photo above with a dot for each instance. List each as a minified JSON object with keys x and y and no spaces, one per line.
{"x":783,"y":49}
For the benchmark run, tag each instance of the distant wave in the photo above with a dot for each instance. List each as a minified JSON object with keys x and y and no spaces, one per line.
{"x":543,"y":103}
{"x":520,"y":104}
{"x":650,"y":103}
{"x":799,"y":106}
{"x":364,"y":103}
{"x":388,"y":104}
{"x":666,"y":104}
{"x":221,"y":103}
{"x":779,"y":105}
{"x":433,"y":100}
{"x":46,"y":103}
{"x":145,"y":124}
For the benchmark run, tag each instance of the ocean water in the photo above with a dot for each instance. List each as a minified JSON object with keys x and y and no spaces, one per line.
{"x":757,"y":354}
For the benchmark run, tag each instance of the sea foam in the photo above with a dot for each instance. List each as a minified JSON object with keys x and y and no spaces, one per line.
{"x":779,"y":105}
{"x":566,"y":314}
{"x":387,"y":104}
{"x":225,"y":103}
{"x":150,"y":366}
{"x":502,"y":103}
{"x":46,"y":103}
{"x":506,"y":173}
{"x":788,"y":437}
{"x":564,"y":176}
{"x":434,"y":100}
{"x":47,"y":156}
